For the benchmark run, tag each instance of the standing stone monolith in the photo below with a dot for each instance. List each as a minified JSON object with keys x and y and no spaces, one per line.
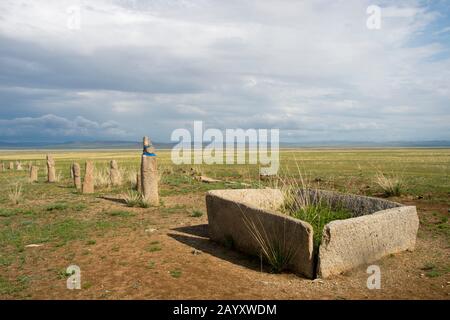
{"x":11,"y":165}
{"x":88,"y":183}
{"x":138,"y":183}
{"x":34,"y":173}
{"x":114,"y":173}
{"x":51,"y":173}
{"x":149,"y":174}
{"x":76,"y":172}
{"x":2,"y":167}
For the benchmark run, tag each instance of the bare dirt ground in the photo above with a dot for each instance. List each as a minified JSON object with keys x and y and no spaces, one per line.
{"x":169,"y":256}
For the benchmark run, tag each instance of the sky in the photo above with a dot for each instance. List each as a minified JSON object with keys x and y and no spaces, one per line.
{"x":312,"y":69}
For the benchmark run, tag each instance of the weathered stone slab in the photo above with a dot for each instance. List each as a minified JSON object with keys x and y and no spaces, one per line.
{"x":233,"y":216}
{"x":149,"y":174}
{"x":51,"y":173}
{"x":349,"y":243}
{"x":88,"y":183}
{"x":34,"y":173}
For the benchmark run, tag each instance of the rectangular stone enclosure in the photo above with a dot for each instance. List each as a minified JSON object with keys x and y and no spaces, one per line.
{"x":378,"y":227}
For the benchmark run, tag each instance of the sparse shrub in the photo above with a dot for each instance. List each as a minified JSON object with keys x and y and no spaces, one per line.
{"x":154,"y":246}
{"x":196,"y":214}
{"x":175,"y":273}
{"x":391,"y":186}
{"x":15,"y":194}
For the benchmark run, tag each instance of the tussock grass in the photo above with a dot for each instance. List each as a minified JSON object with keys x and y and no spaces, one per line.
{"x":15,"y":195}
{"x":391,"y":186}
{"x":274,"y":249}
{"x":132,"y":198}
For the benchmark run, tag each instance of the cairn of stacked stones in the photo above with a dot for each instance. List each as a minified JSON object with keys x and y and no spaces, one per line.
{"x":88,"y":182}
{"x":51,"y":172}
{"x":34,"y":173}
{"x":149,"y":174}
{"x":76,"y":172}
{"x":114,"y":173}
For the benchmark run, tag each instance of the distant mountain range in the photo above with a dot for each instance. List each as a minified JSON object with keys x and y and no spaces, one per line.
{"x":161,"y":145}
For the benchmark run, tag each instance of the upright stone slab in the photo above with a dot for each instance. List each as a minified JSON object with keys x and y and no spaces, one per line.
{"x":2,"y":167}
{"x":76,"y":171}
{"x":88,"y":183}
{"x":34,"y":173}
{"x":11,"y":165}
{"x":51,"y":173}
{"x":149,"y":174}
{"x":114,"y":173}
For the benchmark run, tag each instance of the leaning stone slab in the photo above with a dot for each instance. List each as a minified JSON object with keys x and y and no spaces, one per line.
{"x":236,"y":216}
{"x":349,"y":243}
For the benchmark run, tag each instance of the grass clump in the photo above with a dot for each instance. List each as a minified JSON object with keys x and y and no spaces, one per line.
{"x":196,"y":214}
{"x":15,"y":194}
{"x":132,"y":198}
{"x":154,"y":246}
{"x":391,"y":186}
{"x":175,"y":273}
{"x":57,"y":206}
{"x":275,"y":250}
{"x":318,"y":215}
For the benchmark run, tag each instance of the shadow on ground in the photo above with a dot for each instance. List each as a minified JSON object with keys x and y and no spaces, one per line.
{"x":118,"y":200}
{"x":197,"y":237}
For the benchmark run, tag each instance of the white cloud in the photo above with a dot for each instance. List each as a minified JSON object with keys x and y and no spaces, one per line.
{"x":310,"y":66}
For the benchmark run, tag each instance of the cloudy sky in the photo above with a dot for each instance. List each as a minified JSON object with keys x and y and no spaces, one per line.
{"x":313,"y":69}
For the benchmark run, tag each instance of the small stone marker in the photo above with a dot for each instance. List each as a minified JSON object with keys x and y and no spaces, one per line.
{"x":114,"y":173}
{"x":76,"y":172}
{"x":11,"y":165}
{"x":34,"y":173}
{"x":88,"y":183}
{"x":2,"y":167}
{"x":149,"y":174}
{"x":51,"y":173}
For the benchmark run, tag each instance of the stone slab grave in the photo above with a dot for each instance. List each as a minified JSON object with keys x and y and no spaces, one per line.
{"x":377,"y":228}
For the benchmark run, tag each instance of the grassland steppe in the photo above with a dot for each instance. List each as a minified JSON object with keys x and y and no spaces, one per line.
{"x":165,"y":253}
